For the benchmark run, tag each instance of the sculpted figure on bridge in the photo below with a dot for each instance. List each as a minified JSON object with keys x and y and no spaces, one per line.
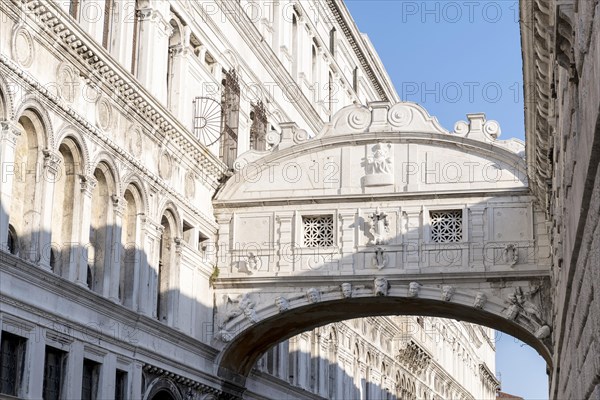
{"x":379,"y":167}
{"x":247,"y":307}
{"x":381,"y":286}
{"x":346,"y":290}
{"x":379,"y":227}
{"x":313,"y":295}
{"x":282,"y":304}
{"x":480,"y":300}
{"x":413,"y":289}
{"x":447,"y":292}
{"x":519,"y":304}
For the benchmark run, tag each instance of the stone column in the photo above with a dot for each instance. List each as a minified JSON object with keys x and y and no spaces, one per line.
{"x":9,"y":133}
{"x":412,"y":244}
{"x":50,"y":175}
{"x":88,"y":184}
{"x":34,"y":358}
{"x":174,"y":283}
{"x":153,"y":58}
{"x":119,"y":206}
{"x":148,"y":282}
{"x":74,"y":371}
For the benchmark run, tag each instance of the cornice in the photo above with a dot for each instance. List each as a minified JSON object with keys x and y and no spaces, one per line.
{"x":537,"y":73}
{"x":342,"y":16}
{"x":106,"y":73}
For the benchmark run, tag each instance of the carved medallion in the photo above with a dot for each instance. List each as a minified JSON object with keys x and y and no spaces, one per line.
{"x":103,"y":114}
{"x":134,"y":141}
{"x":22,"y":46}
{"x":165,"y":166}
{"x":190,"y":186}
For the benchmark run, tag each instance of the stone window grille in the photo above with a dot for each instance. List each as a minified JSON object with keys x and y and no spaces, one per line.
{"x":12,"y":361}
{"x":258,"y":130}
{"x":446,"y":226}
{"x":318,"y":230}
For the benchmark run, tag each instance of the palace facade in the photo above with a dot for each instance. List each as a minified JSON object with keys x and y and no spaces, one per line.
{"x":120,"y":120}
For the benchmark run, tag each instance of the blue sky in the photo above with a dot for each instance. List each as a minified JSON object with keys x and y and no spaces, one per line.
{"x":454,"y":58}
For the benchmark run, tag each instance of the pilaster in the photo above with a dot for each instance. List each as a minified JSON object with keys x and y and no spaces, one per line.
{"x":50,"y":175}
{"x":88,"y":184}
{"x":119,"y":206}
{"x":9,"y":134}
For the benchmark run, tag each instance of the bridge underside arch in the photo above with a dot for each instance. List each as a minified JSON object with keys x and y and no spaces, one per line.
{"x":257,"y":334}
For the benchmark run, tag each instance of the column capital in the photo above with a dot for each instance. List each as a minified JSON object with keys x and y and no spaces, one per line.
{"x":119,"y":204}
{"x":88,"y":184}
{"x":52,"y":160}
{"x":10,"y":131}
{"x":151,"y":14}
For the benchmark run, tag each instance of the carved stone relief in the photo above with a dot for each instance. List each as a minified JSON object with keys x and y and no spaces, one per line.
{"x":23,"y":46}
{"x":379,"y":259}
{"x":379,"y":227}
{"x":379,"y":167}
{"x":381,"y":286}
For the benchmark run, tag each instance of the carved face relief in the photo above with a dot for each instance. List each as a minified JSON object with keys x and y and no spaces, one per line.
{"x":480,"y":300}
{"x":381,"y":286}
{"x":413,"y":289}
{"x":347,"y":290}
{"x":282,"y":304}
{"x":447,"y":292}
{"x":313,"y":295}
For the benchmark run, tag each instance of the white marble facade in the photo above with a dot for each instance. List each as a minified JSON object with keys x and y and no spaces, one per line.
{"x":109,"y":236}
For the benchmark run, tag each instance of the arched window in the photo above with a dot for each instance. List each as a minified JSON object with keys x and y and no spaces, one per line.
{"x":107,"y":30}
{"x":167,"y":244}
{"x":332,"y":41}
{"x":24,"y":216}
{"x":135,"y":40}
{"x":63,"y":206}
{"x":294,"y":46}
{"x":100,"y":230}
{"x":314,"y":70}
{"x":13,"y":243}
{"x":130,"y":258}
{"x":74,"y":9}
{"x":175,"y":41}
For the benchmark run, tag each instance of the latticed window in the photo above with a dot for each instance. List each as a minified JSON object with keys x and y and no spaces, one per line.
{"x":53,"y":373}
{"x":12,"y":358}
{"x":446,"y":226}
{"x":230,"y":109}
{"x":258,"y":130}
{"x":318,"y":231}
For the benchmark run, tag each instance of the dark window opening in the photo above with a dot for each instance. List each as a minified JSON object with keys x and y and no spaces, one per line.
{"x":258,"y":129}
{"x":54,"y":367}
{"x":12,"y":362}
{"x":90,"y":380}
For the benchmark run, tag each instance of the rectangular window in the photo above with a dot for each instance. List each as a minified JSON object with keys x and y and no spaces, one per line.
{"x":318,"y":230}
{"x":54,"y":368}
{"x":202,"y":242}
{"x":446,"y":226}
{"x":188,"y":233}
{"x":90,"y":378}
{"x":121,"y":385}
{"x":12,"y":361}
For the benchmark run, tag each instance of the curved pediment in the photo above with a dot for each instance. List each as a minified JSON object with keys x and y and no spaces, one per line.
{"x":378,"y":151}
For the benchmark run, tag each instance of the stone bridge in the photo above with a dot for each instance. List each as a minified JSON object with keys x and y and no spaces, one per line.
{"x":384,"y":212}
